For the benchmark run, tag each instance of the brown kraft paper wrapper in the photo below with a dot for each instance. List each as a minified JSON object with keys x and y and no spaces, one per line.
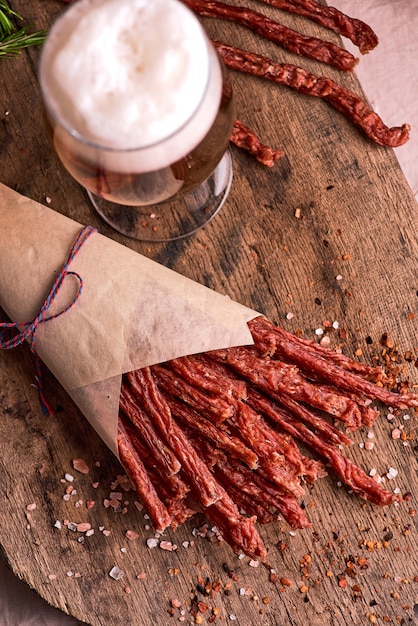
{"x":132,"y":312}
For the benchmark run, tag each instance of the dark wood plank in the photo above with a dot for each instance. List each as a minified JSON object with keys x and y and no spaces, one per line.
{"x":356,"y":222}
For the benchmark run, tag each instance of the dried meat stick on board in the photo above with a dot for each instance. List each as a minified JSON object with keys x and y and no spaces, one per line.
{"x":246,"y":139}
{"x":295,"y":77}
{"x":360,"y":33}
{"x":291,"y":40}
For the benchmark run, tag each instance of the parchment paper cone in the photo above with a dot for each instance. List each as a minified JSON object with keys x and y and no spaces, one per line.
{"x":132,"y":312}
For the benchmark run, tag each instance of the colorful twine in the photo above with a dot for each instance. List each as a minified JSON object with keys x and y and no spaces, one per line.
{"x":29,"y":328}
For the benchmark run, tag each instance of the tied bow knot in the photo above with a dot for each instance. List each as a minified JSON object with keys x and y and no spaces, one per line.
{"x":27,"y":330}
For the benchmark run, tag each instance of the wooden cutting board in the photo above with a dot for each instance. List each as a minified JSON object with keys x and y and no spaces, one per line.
{"x":328,"y":234}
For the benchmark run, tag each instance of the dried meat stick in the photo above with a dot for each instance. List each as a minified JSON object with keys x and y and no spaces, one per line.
{"x":172,"y":490}
{"x":199,"y":372}
{"x":206,"y":429}
{"x":257,"y":434}
{"x":343,"y":100}
{"x":289,"y":39}
{"x":319,"y":425}
{"x":352,"y":475}
{"x":335,"y":376}
{"x":237,"y":530}
{"x":274,"y":375}
{"x":162,"y":454}
{"x":244,"y":138}
{"x":267,"y":334}
{"x":137,"y":473}
{"x":216,"y":406}
{"x":152,"y":401}
{"x":252,"y":484}
{"x":357,"y":31}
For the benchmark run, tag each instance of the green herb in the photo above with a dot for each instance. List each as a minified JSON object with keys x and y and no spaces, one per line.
{"x":12,"y":39}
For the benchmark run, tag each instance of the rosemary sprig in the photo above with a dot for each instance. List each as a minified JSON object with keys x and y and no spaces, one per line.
{"x":12,"y":39}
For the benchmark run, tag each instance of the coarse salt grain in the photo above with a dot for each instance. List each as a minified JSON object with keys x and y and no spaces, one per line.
{"x":31,"y":506}
{"x":319,"y":331}
{"x":392,"y":473}
{"x":69,"y":478}
{"x":254,"y":563}
{"x":396,"y":433}
{"x":339,"y":277}
{"x":335,"y":325}
{"x":152,"y":542}
{"x":289,"y":316}
{"x":369,"y":445}
{"x":167,"y":545}
{"x":116,"y":573}
{"x":81,"y":466}
{"x":131,"y":535}
{"x":83,"y":527}
{"x":57,"y":524}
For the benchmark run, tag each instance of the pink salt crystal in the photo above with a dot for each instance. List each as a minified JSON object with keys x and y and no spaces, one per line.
{"x":83,"y":527}
{"x":31,"y":507}
{"x":396,"y":433}
{"x":167,"y":545}
{"x":131,"y":535}
{"x":81,"y":466}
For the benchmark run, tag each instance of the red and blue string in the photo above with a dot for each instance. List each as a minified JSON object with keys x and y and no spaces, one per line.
{"x":27,"y":330}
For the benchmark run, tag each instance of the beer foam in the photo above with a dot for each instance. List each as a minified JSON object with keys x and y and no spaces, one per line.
{"x":126,"y":74}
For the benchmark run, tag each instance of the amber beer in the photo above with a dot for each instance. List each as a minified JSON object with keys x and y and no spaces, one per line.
{"x":137,"y":102}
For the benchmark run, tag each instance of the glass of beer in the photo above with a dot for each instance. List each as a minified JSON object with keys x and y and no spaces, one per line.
{"x":140,"y":113}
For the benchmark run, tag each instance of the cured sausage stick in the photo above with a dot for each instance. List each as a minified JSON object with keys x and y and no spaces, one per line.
{"x":266,"y":333}
{"x":137,"y":473}
{"x":291,"y":40}
{"x":244,"y":138}
{"x":357,"y":31}
{"x":295,"y":77}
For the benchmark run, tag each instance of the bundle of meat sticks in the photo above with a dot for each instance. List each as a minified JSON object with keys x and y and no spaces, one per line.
{"x":206,"y":403}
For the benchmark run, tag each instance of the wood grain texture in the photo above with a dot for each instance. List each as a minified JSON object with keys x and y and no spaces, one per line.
{"x":357,"y":222}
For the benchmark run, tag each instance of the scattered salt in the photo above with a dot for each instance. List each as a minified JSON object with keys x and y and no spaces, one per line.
{"x":152,"y":542}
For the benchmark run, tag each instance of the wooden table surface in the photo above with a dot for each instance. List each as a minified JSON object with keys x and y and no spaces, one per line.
{"x":328,"y":233}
